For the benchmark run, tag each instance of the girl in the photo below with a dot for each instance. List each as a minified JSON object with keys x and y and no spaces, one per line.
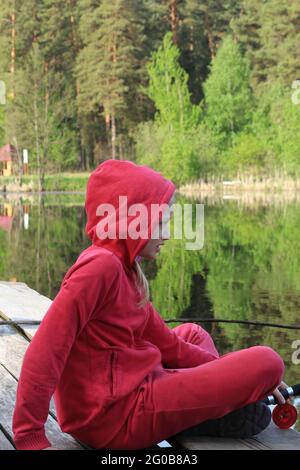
{"x":121,"y":378}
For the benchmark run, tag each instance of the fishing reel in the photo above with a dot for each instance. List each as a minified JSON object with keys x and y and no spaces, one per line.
{"x":284,"y":415}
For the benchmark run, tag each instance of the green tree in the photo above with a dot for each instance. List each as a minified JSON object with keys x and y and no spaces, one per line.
{"x":228,"y":95}
{"x":41,"y":108}
{"x":110,"y":64}
{"x":177,"y":120}
{"x":168,"y":88}
{"x":247,"y":29}
{"x":60,"y":43}
{"x":269,"y":35}
{"x":193,"y":43}
{"x":13,"y":59}
{"x":29,"y":113}
{"x":285,"y":117}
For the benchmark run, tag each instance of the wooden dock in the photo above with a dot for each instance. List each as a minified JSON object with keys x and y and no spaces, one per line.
{"x":20,"y":304}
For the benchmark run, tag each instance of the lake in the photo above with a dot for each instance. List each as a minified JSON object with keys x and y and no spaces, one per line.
{"x":247,"y":270}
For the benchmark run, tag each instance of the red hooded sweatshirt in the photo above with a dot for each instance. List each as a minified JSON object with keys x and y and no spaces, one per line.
{"x":95,"y":346}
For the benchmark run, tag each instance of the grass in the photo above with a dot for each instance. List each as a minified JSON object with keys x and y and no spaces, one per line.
{"x":55,"y":182}
{"x":247,"y":189}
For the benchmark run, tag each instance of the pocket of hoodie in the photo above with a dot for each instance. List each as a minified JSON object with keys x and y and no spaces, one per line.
{"x":113,"y":359}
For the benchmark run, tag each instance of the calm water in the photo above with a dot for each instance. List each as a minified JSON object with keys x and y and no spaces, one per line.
{"x":248,"y":269}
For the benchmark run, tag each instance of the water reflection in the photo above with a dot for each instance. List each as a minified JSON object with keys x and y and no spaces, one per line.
{"x":249,"y":268}
{"x":40,"y":237}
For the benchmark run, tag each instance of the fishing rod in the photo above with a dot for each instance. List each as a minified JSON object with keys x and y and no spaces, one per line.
{"x":223,"y":320}
{"x":181,"y":320}
{"x":20,"y":322}
{"x":284,"y":415}
{"x":287,"y":393}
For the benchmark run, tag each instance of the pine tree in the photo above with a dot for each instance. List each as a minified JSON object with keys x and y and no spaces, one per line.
{"x":43,"y":78}
{"x":269,"y":34}
{"x":164,"y":16}
{"x":195,"y":54}
{"x":200,"y":31}
{"x":110,"y":65}
{"x":216,"y":18}
{"x":196,"y":28}
{"x":8,"y":43}
{"x":29,"y":121}
{"x":59,"y":41}
{"x":14,"y":36}
{"x":280,"y":38}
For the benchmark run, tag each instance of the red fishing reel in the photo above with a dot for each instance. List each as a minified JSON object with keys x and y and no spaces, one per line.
{"x":284,"y":416}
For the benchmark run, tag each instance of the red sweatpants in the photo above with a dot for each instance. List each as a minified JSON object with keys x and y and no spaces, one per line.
{"x":172,"y":400}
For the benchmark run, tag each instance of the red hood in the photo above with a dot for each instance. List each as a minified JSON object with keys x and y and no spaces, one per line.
{"x":141,"y":184}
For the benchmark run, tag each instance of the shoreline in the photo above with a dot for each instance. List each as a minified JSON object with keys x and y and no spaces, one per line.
{"x":61,"y":182}
{"x":243,"y":189}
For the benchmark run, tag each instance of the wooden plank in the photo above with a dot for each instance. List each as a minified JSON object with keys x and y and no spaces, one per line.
{"x":271,"y":438}
{"x":12,"y":350}
{"x":7,"y":402}
{"x":280,"y":439}
{"x":214,"y":443}
{"x":19,"y":302}
{"x":5,"y":443}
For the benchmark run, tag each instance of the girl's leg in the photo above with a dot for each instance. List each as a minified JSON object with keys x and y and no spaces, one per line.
{"x":173,"y":400}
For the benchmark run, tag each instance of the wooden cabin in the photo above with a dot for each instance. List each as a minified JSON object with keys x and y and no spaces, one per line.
{"x":8,"y":155}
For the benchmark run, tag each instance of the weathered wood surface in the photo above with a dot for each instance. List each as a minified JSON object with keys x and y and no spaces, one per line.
{"x":5,"y":443}
{"x":18,"y":303}
{"x":12,"y":350}
{"x":7,"y":401}
{"x":271,"y":438}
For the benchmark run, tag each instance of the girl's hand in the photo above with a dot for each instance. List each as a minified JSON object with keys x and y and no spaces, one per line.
{"x":278,"y":395}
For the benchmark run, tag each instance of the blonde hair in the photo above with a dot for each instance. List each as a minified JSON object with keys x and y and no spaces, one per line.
{"x":141,"y":284}
{"x":140,"y":278}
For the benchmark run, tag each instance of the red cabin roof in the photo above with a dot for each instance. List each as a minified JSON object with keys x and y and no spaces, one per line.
{"x":6,"y":223}
{"x":7,"y":153}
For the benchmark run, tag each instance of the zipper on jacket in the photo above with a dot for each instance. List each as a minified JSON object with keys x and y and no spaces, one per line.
{"x":113,"y":373}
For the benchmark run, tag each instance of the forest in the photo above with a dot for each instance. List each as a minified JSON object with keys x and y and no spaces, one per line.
{"x":196,"y":89}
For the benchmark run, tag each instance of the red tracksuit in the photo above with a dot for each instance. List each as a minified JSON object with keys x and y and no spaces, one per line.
{"x":121,"y":378}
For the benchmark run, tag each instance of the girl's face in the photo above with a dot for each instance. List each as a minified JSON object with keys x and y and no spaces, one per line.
{"x":151,"y":250}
